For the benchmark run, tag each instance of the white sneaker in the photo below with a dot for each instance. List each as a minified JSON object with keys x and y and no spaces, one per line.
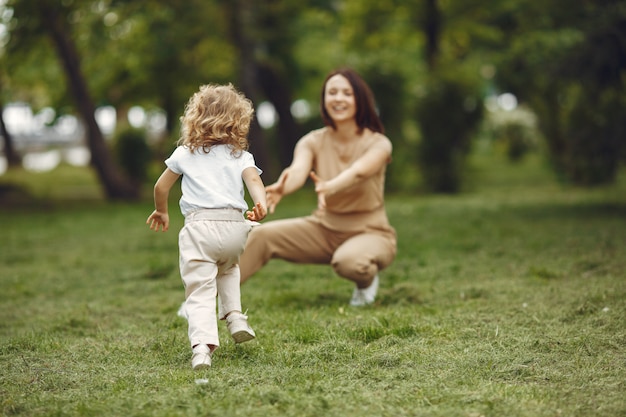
{"x":238,"y":326}
{"x":201,"y":358}
{"x":365,"y":296}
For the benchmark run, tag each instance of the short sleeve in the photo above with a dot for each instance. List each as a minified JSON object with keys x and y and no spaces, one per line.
{"x":173,"y":162}
{"x":247,"y":161}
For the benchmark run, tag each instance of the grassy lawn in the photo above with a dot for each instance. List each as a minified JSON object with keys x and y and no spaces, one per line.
{"x":506,"y":300}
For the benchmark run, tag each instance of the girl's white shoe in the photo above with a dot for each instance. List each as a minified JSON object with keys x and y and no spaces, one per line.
{"x":238,"y":327}
{"x":201,"y":358}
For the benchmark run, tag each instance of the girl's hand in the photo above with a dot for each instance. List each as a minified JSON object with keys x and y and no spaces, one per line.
{"x":158,"y":219}
{"x":257,"y":213}
{"x":320,"y":189}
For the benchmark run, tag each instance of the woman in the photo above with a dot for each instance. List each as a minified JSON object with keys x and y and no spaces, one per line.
{"x":347,"y":160}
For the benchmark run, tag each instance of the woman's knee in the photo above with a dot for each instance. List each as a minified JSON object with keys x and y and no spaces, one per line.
{"x":358,"y":269}
{"x":360,"y":258}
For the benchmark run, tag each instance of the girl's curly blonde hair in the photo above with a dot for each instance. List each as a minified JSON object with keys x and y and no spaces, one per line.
{"x":216,"y":114}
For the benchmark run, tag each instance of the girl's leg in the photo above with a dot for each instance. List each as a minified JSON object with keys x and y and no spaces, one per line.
{"x":229,"y":306}
{"x":233,"y":237}
{"x":229,"y":291}
{"x":198,"y":271}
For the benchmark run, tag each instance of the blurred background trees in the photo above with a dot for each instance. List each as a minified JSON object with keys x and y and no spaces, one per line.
{"x":440,"y":70}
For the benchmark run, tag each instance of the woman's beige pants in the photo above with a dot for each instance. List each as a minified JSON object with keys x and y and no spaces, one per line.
{"x":357,"y":256}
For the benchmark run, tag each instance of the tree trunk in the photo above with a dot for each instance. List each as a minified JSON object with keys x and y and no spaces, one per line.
{"x":241,"y":14}
{"x":13,"y":158}
{"x":432,"y":28}
{"x":114,"y":183}
{"x":277,"y":92}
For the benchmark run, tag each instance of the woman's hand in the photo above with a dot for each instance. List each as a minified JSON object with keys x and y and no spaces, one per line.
{"x":320,"y":189}
{"x":275,"y":192}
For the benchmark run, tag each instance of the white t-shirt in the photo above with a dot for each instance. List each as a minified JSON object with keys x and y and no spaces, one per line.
{"x":211,"y":180}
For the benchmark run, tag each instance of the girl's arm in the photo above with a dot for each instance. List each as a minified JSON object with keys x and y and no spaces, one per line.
{"x":160,"y":216}
{"x":255,"y":187}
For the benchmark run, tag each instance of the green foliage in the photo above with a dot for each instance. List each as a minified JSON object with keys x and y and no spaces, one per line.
{"x":595,"y":138}
{"x":570,"y":68}
{"x":29,"y":70}
{"x":132,"y":152}
{"x":448,"y":114}
{"x":155,"y":54}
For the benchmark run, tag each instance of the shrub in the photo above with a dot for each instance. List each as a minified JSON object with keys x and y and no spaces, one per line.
{"x":515,"y":129}
{"x":594,"y":139}
{"x":133,"y":153}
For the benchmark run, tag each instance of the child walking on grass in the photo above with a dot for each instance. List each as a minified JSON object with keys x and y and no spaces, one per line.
{"x":213,"y":160}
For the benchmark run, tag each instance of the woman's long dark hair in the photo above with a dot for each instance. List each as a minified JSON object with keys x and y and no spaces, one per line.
{"x":366,"y":115}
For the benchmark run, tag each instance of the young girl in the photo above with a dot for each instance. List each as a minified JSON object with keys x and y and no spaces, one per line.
{"x":212,"y":158}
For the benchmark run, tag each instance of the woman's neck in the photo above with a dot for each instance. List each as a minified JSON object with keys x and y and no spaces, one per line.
{"x":346,"y":131}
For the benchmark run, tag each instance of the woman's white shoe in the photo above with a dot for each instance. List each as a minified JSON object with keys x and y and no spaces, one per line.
{"x":365,"y":296}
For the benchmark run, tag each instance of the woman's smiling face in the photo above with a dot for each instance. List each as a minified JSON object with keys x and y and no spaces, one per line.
{"x":339,"y":99}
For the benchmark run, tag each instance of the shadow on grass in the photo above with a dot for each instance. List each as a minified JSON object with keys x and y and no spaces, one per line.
{"x":292,"y":300}
{"x":402,"y":293}
{"x":15,"y":196}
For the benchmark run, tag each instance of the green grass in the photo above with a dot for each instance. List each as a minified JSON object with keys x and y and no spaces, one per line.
{"x":507,"y":300}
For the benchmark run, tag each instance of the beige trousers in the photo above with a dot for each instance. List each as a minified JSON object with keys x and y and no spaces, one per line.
{"x":357,"y":256}
{"x":210,"y":244}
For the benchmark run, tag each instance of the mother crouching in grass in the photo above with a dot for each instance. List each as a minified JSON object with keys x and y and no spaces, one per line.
{"x":347,"y":160}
